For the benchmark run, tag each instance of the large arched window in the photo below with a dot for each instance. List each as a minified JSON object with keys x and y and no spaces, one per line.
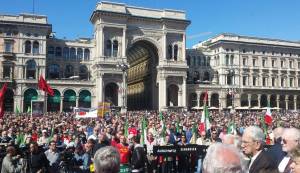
{"x":69,"y":71}
{"x":86,"y":54}
{"x":50,"y":50}
{"x":58,"y":51}
{"x":83,"y":72}
{"x":73,"y":53}
{"x":27,"y":46}
{"x":175,"y":52}
{"x":79,"y":53}
{"x":66,"y":52}
{"x":31,"y":69}
{"x":108,"y":48}
{"x":53,"y":71}
{"x":115,"y":48}
{"x":35,"y":49}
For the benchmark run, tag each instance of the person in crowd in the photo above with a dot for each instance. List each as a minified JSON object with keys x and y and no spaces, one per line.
{"x":82,"y":160}
{"x":223,"y":158}
{"x":252,"y":146}
{"x":124,"y":151}
{"x":150,"y":142}
{"x":43,"y":140}
{"x":4,"y":137}
{"x":107,"y":160}
{"x":12,"y":162}
{"x":290,"y":141}
{"x":138,"y":158}
{"x":53,"y":157}
{"x":37,"y":160}
{"x":275,"y":150}
{"x":295,"y":157}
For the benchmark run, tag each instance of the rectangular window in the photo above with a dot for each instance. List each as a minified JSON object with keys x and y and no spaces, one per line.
{"x":227,"y":60}
{"x":298,"y":65}
{"x":264,"y":81}
{"x":264,"y":63}
{"x":254,"y":81}
{"x":291,"y":64}
{"x":281,"y":63}
{"x":273,"y":81}
{"x":244,"y":80}
{"x":291,"y":82}
{"x":6,"y":72}
{"x":273,"y":63}
{"x":298,"y":81}
{"x":254,"y":62}
{"x":282,"y":82}
{"x":244,"y":61}
{"x":8,"y":46}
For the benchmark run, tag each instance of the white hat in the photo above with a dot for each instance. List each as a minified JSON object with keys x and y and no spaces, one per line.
{"x":44,"y":131}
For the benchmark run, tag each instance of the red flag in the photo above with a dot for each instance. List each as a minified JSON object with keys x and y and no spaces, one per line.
{"x":2,"y":92}
{"x":44,"y":86}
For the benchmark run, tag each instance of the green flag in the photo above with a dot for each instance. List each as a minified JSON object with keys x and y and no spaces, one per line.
{"x":143,"y":132}
{"x":162,"y":123}
{"x":231,"y":129}
{"x":51,"y":135}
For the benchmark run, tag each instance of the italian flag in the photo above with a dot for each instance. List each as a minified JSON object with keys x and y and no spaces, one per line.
{"x":205,"y":120}
{"x":268,"y":116}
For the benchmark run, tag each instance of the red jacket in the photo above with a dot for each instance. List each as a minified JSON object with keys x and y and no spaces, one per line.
{"x":124,"y":153}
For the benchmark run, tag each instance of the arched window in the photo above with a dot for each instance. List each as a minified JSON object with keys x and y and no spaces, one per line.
{"x":175,"y":52}
{"x":66,"y":52}
{"x":31,"y":69}
{"x":69,"y":71}
{"x":58,"y":51}
{"x":73,"y":53}
{"x":108,"y":48}
{"x":86,"y":54}
{"x":50,"y":50}
{"x":53,"y":71}
{"x":170,"y":52}
{"x":35,"y":49}
{"x":83,"y":72}
{"x":27,"y":46}
{"x":115,"y":48}
{"x":79,"y":53}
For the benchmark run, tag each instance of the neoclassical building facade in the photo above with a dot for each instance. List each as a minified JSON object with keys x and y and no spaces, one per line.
{"x":244,"y":72}
{"x":137,"y":59}
{"x":150,"y":43}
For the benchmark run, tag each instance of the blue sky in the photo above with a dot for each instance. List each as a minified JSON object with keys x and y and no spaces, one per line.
{"x":262,"y":18}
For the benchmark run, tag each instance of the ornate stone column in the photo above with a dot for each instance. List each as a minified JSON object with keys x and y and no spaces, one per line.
{"x":258,"y":100}
{"x":295,"y":102}
{"x":184,"y":92}
{"x":277,"y":100}
{"x":198,"y":98}
{"x":249,"y":100}
{"x":162,"y":92}
{"x":61,"y":104}
{"x":286,"y":102}
{"x":124,"y":43}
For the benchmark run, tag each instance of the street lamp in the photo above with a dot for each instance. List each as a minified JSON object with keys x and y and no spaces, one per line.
{"x":124,"y":67}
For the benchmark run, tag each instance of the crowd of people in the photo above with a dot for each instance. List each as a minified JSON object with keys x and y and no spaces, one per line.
{"x":59,"y":142}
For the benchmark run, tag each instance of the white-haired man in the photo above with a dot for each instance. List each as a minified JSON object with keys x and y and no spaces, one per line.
{"x":107,"y":160}
{"x":252,"y":146}
{"x":223,"y":158}
{"x":290,"y":141}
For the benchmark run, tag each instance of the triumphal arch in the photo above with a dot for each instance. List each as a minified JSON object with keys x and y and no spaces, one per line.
{"x":139,"y":56}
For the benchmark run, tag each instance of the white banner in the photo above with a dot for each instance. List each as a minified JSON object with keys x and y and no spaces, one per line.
{"x":85,"y":113}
